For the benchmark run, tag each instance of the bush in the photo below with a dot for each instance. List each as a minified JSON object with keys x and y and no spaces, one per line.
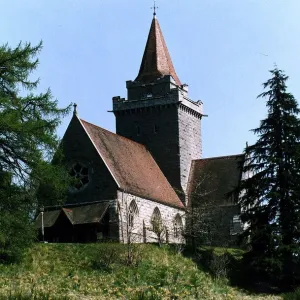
{"x":292,"y":296}
{"x":133,"y":255}
{"x":105,"y":257}
{"x":16,"y":234}
{"x":219,"y":262}
{"x":109,"y":254}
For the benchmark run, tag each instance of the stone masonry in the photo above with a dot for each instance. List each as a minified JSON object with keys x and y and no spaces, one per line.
{"x":166,"y":121}
{"x":142,"y":227}
{"x":78,"y":148}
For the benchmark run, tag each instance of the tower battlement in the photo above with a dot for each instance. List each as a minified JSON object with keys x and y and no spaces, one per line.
{"x":159,"y":114}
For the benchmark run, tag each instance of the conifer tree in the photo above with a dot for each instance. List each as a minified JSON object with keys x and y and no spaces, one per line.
{"x":28,"y":141}
{"x":271,"y":194}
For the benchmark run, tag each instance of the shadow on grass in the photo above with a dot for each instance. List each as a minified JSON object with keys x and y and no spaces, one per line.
{"x":229,"y":263}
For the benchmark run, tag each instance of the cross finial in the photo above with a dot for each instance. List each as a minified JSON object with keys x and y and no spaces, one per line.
{"x":154,"y":8}
{"x":75,"y":109}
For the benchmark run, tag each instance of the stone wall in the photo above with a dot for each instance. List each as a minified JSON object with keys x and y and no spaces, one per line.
{"x":190,"y":142}
{"x":228,"y":233}
{"x":162,"y":86}
{"x":167,"y":122}
{"x":78,"y":148}
{"x":142,"y":229}
{"x":158,"y":131}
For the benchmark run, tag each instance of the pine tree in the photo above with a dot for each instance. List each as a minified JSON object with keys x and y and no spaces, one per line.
{"x":28,"y":142}
{"x":271,"y":195}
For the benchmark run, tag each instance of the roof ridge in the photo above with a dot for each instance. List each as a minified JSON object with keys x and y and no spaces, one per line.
{"x":113,"y":133}
{"x":219,"y":157}
{"x":116,"y":160}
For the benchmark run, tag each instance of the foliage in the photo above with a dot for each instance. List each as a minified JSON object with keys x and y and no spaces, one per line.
{"x":159,"y":229}
{"x":27,"y":143}
{"x":270,"y":195}
{"x":16,"y":230}
{"x":130,"y":231}
{"x":293,"y":295}
{"x":203,"y":226}
{"x":219,"y":262}
{"x":66,"y":271}
{"x":106,"y":257}
{"x":14,"y":226}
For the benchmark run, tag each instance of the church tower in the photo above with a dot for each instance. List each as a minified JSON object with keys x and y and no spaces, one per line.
{"x":159,"y":114}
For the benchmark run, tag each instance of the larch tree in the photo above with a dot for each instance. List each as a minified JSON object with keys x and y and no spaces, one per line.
{"x":28,"y":141}
{"x":271,"y":195}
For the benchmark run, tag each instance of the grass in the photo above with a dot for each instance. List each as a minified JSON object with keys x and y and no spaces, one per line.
{"x":99,"y":271}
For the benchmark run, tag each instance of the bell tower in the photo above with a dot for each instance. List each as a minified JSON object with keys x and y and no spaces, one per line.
{"x":159,"y":114}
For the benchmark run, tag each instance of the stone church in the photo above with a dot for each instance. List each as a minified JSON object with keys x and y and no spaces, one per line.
{"x":138,"y":183}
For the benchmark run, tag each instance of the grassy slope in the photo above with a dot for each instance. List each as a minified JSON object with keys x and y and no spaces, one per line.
{"x":82,"y":271}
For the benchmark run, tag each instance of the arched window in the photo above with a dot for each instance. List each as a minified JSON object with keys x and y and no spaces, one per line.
{"x":178,"y":226}
{"x":132,"y":213}
{"x":156,"y":220}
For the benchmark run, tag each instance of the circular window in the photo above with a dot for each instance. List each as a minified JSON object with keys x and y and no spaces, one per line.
{"x":80,"y":174}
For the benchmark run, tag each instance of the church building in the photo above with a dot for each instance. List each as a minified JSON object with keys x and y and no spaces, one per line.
{"x":137,"y":184}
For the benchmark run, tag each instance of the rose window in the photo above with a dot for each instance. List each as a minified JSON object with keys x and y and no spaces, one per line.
{"x":81,"y":175}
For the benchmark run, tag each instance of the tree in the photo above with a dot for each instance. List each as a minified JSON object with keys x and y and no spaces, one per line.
{"x":212,"y":211}
{"x":270,"y":196}
{"x":28,"y":142}
{"x":158,"y":227}
{"x":201,"y":224}
{"x":128,"y":214}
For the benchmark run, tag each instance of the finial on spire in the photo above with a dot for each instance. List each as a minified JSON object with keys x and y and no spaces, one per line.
{"x":75,"y":109}
{"x":154,"y":8}
{"x":156,"y":60}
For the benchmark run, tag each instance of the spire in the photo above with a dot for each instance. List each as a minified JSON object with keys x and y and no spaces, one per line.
{"x":156,"y":60}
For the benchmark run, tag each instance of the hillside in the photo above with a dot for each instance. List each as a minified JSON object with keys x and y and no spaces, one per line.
{"x":100,"y":271}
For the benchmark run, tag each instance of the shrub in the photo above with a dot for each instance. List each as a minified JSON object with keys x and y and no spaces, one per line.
{"x":16,"y":233}
{"x":105,"y":257}
{"x":219,"y":262}
{"x":293,"y":295}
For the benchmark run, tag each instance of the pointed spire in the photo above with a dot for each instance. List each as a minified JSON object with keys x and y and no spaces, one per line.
{"x":156,"y":60}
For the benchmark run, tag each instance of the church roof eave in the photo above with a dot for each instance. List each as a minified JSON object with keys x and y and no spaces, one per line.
{"x":131,"y":165}
{"x":95,"y":146}
{"x":216,"y":177}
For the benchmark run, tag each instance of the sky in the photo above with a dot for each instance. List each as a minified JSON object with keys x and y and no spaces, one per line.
{"x":223,"y":49}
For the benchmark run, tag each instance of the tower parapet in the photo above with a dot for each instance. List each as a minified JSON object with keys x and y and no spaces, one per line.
{"x":159,"y":113}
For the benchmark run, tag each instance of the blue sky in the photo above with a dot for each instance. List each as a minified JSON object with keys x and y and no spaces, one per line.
{"x":222,"y":48}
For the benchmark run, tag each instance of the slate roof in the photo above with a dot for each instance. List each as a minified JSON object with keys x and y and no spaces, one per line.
{"x":88,"y":213}
{"x":156,"y":60}
{"x":77,"y":215}
{"x":50,"y":218}
{"x":211,"y":179}
{"x":132,"y":166}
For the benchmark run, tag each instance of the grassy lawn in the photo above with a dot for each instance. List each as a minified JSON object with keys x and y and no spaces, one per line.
{"x":101,"y":271}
